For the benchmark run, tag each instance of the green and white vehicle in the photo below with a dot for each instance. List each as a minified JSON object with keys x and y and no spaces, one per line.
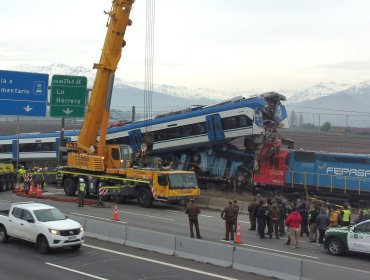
{"x":352,"y":238}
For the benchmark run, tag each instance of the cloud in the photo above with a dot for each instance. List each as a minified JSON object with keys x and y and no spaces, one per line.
{"x":348,"y":65}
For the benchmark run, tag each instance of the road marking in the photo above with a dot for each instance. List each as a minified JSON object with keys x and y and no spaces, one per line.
{"x":279,"y":251}
{"x":7,"y":201}
{"x":176,"y":211}
{"x":243,"y":222}
{"x":76,"y":271}
{"x":105,"y":219}
{"x":206,"y":216}
{"x":159,"y":262}
{"x":132,"y":213}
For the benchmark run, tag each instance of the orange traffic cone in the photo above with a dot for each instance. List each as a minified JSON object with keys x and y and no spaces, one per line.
{"x":39,"y":191}
{"x":31,"y":191}
{"x":238,"y":236}
{"x":115,"y":214}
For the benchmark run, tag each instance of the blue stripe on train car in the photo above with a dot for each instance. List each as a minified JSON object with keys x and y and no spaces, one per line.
{"x":329,"y":170}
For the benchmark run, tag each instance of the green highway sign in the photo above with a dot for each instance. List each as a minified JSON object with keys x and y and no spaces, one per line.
{"x":68,"y":96}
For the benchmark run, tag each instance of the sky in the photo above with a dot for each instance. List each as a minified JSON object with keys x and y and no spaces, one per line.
{"x":232,"y":46}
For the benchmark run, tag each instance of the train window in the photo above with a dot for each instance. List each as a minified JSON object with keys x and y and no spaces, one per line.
{"x":186,"y":130}
{"x":304,"y":156}
{"x":200,"y":128}
{"x":244,"y":121}
{"x":229,"y":123}
{"x":6,"y":148}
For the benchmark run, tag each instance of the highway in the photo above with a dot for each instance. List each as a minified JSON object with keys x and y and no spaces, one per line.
{"x":171,"y":219}
{"x":105,"y":261}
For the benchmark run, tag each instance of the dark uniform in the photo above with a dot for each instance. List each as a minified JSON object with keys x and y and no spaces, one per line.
{"x":236,"y":213}
{"x":228,"y":214}
{"x":252,"y":209}
{"x":81,"y":192}
{"x":192,"y":211}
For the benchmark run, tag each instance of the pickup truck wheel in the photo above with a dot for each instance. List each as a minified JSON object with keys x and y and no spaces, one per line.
{"x":76,"y":247}
{"x":4,"y":237}
{"x":335,"y":247}
{"x":145,"y":197}
{"x":70,"y":187}
{"x":42,"y":245}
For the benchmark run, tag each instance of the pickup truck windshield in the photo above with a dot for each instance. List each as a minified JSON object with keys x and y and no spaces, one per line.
{"x":182,"y":181}
{"x":48,"y":215}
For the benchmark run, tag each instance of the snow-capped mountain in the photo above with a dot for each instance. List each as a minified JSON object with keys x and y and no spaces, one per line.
{"x":182,"y":92}
{"x":317,"y":91}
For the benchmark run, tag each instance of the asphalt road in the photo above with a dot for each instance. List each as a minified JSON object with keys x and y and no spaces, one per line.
{"x":105,"y":261}
{"x":171,"y":219}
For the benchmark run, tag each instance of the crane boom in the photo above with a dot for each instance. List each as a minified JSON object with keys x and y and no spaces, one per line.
{"x":111,"y":54}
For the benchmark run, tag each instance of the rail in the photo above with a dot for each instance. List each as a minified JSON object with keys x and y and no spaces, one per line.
{"x":329,"y":181}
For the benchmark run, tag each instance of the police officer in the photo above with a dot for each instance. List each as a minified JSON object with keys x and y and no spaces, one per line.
{"x":192,"y":211}
{"x":81,"y":191}
{"x":236,"y":213}
{"x":228,"y":214}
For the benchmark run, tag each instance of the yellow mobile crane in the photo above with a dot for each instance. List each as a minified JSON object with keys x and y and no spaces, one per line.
{"x":108,"y":168}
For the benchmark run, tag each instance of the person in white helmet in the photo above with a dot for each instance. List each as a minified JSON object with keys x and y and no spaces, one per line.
{"x":81,"y":191}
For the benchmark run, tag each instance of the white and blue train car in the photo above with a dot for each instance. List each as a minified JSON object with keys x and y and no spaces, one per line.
{"x":33,"y":147}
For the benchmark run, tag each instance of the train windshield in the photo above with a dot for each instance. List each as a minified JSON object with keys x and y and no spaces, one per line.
{"x":182,"y":181}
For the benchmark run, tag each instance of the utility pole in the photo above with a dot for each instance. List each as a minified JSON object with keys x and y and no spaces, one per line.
{"x":319,"y":123}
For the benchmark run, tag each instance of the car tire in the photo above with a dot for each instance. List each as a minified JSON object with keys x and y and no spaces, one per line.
{"x":335,"y":247}
{"x":42,"y":245}
{"x":4,"y":237}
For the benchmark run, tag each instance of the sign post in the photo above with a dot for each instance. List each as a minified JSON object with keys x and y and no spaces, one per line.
{"x":23,"y":94}
{"x":68,"y":99}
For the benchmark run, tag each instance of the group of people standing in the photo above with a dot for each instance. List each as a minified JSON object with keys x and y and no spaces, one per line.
{"x":299,"y":220}
{"x":277,"y":216}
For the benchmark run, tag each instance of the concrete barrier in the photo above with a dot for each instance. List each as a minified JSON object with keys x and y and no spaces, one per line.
{"x":203,"y":201}
{"x":312,"y":270}
{"x":217,"y":203}
{"x":115,"y":233}
{"x":268,"y":264}
{"x":79,"y":219}
{"x":204,"y":251}
{"x":150,"y":240}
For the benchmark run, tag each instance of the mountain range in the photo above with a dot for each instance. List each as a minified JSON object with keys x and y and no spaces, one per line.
{"x":341,"y":104}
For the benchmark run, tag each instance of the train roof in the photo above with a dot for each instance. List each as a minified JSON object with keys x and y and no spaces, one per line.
{"x":253,"y":103}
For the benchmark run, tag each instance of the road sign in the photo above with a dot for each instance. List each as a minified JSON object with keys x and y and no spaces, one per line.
{"x":68,"y":96}
{"x":23,"y":94}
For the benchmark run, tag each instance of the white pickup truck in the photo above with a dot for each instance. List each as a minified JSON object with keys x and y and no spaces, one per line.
{"x":41,"y":224}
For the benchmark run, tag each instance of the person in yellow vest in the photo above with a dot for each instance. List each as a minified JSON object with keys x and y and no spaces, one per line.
{"x":346,"y":215}
{"x":21,"y":172}
{"x":335,"y":217}
{"x":81,"y":192}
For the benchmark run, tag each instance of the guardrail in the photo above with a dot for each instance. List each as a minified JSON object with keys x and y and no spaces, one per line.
{"x":248,"y":260}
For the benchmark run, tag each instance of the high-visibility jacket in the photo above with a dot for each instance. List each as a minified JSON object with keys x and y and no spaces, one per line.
{"x":82,"y":187}
{"x":346,"y":215}
{"x":21,"y":171}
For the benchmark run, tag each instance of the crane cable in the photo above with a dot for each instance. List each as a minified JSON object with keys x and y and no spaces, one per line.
{"x":149,"y":61}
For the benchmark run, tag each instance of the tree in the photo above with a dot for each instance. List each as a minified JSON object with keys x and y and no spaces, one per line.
{"x":326,"y":126}
{"x":300,"y":120}
{"x":293,"y":118}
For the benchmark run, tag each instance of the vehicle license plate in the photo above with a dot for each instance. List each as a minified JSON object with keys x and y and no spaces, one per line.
{"x":72,"y":238}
